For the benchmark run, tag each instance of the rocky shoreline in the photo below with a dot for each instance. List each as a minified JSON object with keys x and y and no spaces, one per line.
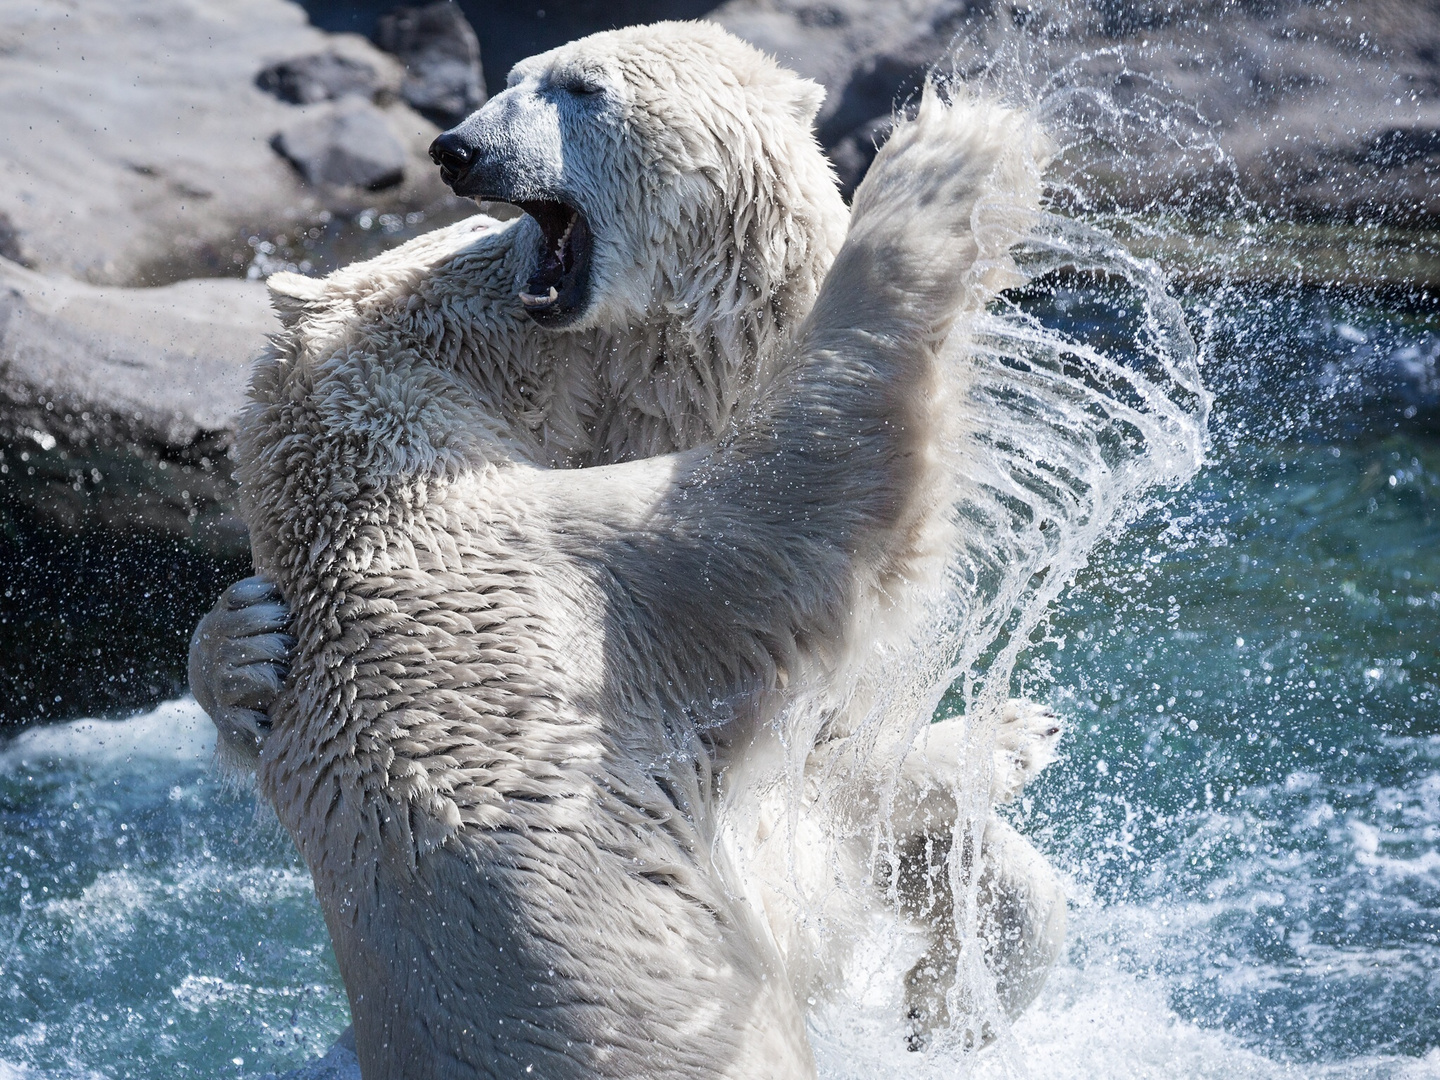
{"x":154,"y":155}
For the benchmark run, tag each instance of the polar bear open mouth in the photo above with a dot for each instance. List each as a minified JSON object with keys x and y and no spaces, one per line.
{"x":559,"y":289}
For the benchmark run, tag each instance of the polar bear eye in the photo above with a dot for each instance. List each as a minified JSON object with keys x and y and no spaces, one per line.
{"x":580,"y":85}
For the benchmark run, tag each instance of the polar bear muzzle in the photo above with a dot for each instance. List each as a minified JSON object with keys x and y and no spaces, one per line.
{"x":558,"y":291}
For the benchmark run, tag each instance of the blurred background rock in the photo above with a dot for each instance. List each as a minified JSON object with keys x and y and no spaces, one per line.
{"x":158,"y":158}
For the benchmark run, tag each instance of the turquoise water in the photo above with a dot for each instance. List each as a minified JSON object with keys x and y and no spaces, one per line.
{"x":1250,"y":802}
{"x":151,"y":924}
{"x":1247,"y":807}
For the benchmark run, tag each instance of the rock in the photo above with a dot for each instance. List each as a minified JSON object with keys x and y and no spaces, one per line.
{"x":9,"y":240}
{"x":441,"y":54}
{"x":117,"y":530}
{"x":1318,"y":113}
{"x":135,"y":143}
{"x":304,"y":80}
{"x":861,"y":53}
{"x":855,"y":151}
{"x":117,"y":406}
{"x":345,"y":144}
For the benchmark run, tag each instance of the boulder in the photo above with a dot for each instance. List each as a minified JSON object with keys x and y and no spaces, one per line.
{"x":345,"y":144}
{"x":135,"y":145}
{"x":117,"y":405}
{"x":441,"y":54}
{"x":509,"y":33}
{"x":304,"y":80}
{"x":117,"y":527}
{"x":857,"y":148}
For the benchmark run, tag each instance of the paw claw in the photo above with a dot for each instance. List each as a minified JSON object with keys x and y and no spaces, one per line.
{"x":1024,"y":745}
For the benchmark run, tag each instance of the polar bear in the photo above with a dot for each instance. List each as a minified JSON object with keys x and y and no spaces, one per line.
{"x":524,"y":680}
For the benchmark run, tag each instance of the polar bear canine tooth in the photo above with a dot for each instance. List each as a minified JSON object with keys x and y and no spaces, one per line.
{"x":531,"y":300}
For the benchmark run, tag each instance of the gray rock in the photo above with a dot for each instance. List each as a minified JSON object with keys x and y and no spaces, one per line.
{"x":441,"y":54}
{"x":344,"y":144}
{"x":117,"y":406}
{"x":135,"y":145}
{"x":9,"y":240}
{"x":1320,"y":113}
{"x":855,"y":151}
{"x":304,"y":80}
{"x":860,"y":52}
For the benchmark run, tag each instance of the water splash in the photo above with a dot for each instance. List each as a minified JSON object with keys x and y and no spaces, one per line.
{"x":1056,"y":441}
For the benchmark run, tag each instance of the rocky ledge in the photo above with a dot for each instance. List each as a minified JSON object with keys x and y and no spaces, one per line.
{"x":117,"y":405}
{"x":138,"y":138}
{"x":116,"y":504}
{"x":1308,"y":111}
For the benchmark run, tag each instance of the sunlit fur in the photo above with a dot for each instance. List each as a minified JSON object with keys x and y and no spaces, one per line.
{"x":524,"y":692}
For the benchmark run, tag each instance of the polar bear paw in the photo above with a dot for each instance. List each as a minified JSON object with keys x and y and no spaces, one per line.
{"x":1025,"y":742}
{"x":239,"y":660}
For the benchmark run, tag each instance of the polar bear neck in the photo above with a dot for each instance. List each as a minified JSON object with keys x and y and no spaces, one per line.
{"x":716,"y":331}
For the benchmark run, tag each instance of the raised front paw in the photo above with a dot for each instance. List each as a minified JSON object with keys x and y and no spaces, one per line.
{"x":1025,"y":742}
{"x":239,"y":659}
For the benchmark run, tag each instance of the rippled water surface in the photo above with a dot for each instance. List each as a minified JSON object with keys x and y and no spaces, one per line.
{"x":1248,"y":806}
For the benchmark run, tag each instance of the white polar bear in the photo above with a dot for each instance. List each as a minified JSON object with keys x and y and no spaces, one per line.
{"x":525,"y":698}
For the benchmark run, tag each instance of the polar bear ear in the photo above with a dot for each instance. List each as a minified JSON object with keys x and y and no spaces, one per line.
{"x":292,"y":294}
{"x":295,"y":286}
{"x":805,"y":98}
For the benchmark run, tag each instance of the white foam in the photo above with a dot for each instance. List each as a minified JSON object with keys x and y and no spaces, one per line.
{"x":1090,"y":1022}
{"x":13,"y":1070}
{"x":197,"y":993}
{"x":1101,"y":1015}
{"x":1100,"y":1021}
{"x":110,"y":907}
{"x":177,"y":731}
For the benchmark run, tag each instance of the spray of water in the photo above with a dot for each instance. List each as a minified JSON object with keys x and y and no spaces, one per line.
{"x":1055,"y":441}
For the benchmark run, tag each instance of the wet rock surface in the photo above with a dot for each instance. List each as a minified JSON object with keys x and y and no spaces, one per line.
{"x":443,"y":77}
{"x":1320,"y":111}
{"x":117,"y":528}
{"x":117,"y":405}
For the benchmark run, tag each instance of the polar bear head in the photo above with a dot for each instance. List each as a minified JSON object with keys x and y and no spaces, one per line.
{"x":668,"y":167}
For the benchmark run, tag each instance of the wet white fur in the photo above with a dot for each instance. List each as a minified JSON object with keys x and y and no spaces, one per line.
{"x":526,"y":692}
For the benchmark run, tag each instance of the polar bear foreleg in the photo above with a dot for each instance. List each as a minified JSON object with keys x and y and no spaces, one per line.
{"x":1020,"y":899}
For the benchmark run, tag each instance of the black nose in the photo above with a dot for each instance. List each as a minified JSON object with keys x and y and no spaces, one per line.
{"x":451,"y":154}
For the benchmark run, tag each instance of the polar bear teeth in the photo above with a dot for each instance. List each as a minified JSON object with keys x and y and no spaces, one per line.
{"x":558,"y":284}
{"x":529,"y":299}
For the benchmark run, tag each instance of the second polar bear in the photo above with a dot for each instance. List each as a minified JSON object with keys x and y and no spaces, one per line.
{"x":521,"y":688}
